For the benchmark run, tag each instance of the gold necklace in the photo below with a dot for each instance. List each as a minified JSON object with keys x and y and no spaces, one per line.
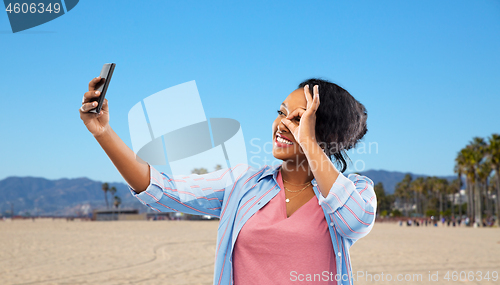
{"x":295,"y":191}
{"x":295,"y":184}
{"x":288,"y":199}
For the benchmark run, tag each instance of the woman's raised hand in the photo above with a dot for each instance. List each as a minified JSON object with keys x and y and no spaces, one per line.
{"x":304,"y":132}
{"x":97,"y":124}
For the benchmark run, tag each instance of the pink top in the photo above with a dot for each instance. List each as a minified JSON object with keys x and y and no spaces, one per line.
{"x":274,"y":249}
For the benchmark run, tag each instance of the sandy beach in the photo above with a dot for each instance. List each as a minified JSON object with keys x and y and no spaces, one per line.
{"x":183,"y":252}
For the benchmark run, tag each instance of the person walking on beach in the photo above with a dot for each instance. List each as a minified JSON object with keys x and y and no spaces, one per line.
{"x":278,"y":224}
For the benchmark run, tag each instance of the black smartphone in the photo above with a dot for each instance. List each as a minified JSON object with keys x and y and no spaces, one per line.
{"x":102,"y":86}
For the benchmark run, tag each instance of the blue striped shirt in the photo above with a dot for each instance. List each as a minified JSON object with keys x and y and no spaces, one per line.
{"x":235,"y":194}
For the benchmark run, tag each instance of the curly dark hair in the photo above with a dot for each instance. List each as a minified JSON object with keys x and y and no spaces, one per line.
{"x":340,"y":120}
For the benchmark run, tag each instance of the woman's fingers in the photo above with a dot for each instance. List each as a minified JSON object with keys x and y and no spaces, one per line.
{"x":296,"y":113}
{"x":312,"y":101}
{"x":90,"y":96}
{"x":94,"y":82}
{"x":87,"y":107}
{"x":315,"y":103}
{"x":292,"y":127}
{"x":308,"y":95}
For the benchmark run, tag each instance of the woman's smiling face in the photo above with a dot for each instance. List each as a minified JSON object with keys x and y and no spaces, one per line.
{"x":284,"y":144}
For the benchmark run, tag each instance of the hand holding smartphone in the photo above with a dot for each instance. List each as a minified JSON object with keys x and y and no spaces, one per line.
{"x":102,"y":86}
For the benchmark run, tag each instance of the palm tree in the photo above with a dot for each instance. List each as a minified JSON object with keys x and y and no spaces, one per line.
{"x":494,"y":157}
{"x":465,"y":166}
{"x":403,"y":192}
{"x":440,"y":188}
{"x":117,"y":201}
{"x":453,"y":189}
{"x":112,"y":191}
{"x":484,"y":172}
{"x":418,"y":188}
{"x":430,"y":190}
{"x":105,"y":188}
{"x":384,"y":202}
{"x":460,"y":170}
{"x":477,"y":161}
{"x":478,"y":150}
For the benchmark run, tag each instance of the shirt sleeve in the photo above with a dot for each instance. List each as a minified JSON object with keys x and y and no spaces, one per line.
{"x":351,"y":205}
{"x":192,"y":194}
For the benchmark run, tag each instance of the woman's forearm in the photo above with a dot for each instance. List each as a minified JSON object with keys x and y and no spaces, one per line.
{"x":135,"y":173}
{"x":321,"y":166}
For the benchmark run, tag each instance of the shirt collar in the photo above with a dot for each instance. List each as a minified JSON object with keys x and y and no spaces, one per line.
{"x":271,"y":170}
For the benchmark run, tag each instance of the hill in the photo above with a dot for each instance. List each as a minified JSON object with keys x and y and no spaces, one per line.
{"x":62,"y":197}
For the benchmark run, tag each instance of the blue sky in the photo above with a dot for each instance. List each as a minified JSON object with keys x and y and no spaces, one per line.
{"x":427,"y":71}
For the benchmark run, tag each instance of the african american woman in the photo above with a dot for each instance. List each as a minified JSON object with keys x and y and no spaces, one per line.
{"x":291,"y":223}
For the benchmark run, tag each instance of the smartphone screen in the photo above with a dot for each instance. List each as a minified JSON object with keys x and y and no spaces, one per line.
{"x":102,"y":86}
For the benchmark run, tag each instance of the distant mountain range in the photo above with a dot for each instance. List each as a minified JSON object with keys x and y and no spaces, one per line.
{"x":65,"y":197}
{"x":62,"y":197}
{"x":391,"y":178}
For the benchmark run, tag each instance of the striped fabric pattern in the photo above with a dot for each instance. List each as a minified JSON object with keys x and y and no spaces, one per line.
{"x":235,"y":194}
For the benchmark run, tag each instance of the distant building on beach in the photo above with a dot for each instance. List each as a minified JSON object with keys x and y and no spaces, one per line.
{"x":118,"y":215}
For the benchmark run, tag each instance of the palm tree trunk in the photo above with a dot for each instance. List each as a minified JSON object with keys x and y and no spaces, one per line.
{"x":487,"y":202}
{"x":415,"y":199}
{"x":460,"y":205}
{"x":440,"y":205}
{"x":477,"y":206}
{"x":425,"y":202}
{"x":406,"y":206}
{"x":106,"y":198}
{"x":489,"y":209}
{"x":419,"y":201}
{"x":460,"y":185}
{"x":453,"y":206}
{"x":470,"y":201}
